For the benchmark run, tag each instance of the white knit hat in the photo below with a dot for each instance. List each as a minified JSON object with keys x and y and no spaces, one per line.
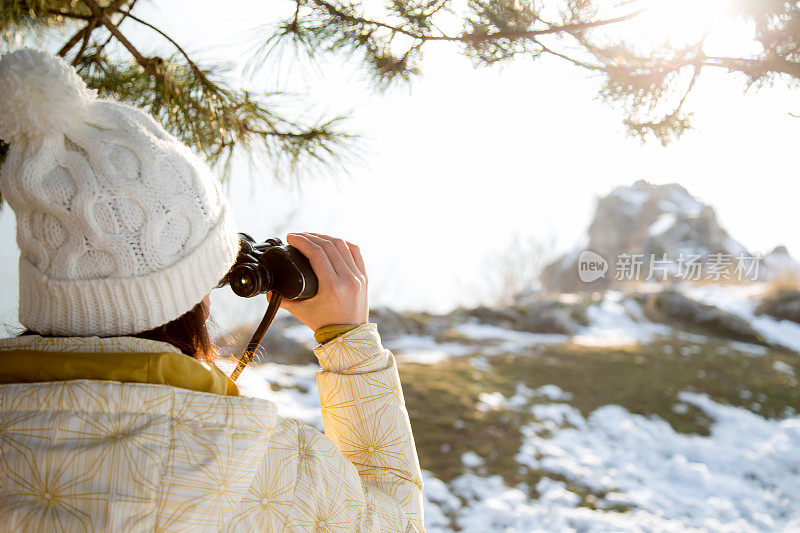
{"x":120,"y":227}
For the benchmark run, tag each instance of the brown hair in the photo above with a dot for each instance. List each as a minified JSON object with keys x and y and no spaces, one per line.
{"x":188,"y":333}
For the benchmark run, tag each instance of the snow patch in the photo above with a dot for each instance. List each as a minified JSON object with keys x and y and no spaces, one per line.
{"x":615,"y":321}
{"x":661,"y":225}
{"x":551,"y":392}
{"x":786,"y":368}
{"x":480,"y":332}
{"x":471,"y":459}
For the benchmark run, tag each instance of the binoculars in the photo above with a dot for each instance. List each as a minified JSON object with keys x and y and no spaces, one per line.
{"x":271,"y":266}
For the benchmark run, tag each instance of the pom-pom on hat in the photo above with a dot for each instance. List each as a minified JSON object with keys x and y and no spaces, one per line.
{"x":40,"y":95}
{"x":121,"y":228}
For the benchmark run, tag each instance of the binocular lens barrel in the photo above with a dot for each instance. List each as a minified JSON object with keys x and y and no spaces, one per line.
{"x":248,"y":281}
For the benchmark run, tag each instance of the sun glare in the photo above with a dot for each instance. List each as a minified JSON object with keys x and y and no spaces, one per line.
{"x":684,"y":22}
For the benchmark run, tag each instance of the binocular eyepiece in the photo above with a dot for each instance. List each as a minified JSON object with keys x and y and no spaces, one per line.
{"x":271,"y":266}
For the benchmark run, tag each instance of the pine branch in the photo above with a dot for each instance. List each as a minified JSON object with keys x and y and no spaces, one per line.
{"x":471,"y":37}
{"x":167,"y":37}
{"x":201,"y":109}
{"x":497,"y":31}
{"x":70,"y":44}
{"x":99,"y":14}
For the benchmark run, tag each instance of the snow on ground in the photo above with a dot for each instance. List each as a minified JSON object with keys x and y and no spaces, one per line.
{"x":478,"y":331}
{"x":741,"y":301}
{"x":493,"y":340}
{"x":616,"y":320}
{"x":424,"y":349}
{"x":745,"y":476}
{"x":613,"y":321}
{"x":786,"y":368}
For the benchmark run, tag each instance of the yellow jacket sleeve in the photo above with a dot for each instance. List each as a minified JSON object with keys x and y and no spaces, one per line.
{"x":326,"y":333}
{"x":364,"y":414}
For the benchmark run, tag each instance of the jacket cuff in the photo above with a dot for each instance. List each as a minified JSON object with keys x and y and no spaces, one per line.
{"x":326,"y":333}
{"x":355,"y":352}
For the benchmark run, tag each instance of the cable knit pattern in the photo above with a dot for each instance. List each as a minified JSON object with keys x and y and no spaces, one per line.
{"x":121,"y":228}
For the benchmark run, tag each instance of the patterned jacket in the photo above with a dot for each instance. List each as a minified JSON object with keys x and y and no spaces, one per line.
{"x":139,"y":450}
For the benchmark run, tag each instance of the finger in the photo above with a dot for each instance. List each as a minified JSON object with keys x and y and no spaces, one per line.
{"x":344,"y":250}
{"x":334,"y":256}
{"x":356,"y":253}
{"x":316,"y":255}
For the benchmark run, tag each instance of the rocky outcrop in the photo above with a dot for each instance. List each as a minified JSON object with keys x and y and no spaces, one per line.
{"x":651,"y":220}
{"x":779,"y":264}
{"x":537,"y":315}
{"x":393,"y":324}
{"x":785,"y":305}
{"x":674,"y":308}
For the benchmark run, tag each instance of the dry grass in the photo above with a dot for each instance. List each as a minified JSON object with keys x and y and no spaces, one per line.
{"x":784,"y":282}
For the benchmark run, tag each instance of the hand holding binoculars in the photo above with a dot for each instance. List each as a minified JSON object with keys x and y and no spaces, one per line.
{"x":271,"y":266}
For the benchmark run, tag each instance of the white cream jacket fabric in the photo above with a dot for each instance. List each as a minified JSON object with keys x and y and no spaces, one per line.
{"x":89,"y":455}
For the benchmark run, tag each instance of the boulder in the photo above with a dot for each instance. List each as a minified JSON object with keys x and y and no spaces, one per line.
{"x":672,"y":307}
{"x":534,"y":316}
{"x":393,"y":324}
{"x":551,"y":317}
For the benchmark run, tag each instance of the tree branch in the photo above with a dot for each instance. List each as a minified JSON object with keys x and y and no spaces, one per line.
{"x":472,"y":38}
{"x":577,"y":27}
{"x":111,"y":36}
{"x":772,"y":63}
{"x":565,"y":57}
{"x":145,"y":63}
{"x":89,"y":29}
{"x":72,"y":41}
{"x":180,"y":49}
{"x":70,"y":15}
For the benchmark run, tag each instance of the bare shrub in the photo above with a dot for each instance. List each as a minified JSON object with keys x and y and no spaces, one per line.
{"x":515,"y":268}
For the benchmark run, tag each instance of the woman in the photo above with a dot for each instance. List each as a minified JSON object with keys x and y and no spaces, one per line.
{"x":111,"y":417}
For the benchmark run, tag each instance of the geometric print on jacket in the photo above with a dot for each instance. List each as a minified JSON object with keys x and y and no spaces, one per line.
{"x":93,"y":455}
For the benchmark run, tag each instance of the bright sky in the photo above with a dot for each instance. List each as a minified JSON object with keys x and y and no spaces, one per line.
{"x":462,"y":160}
